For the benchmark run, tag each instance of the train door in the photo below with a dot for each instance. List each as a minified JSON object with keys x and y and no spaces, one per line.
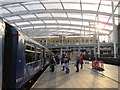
{"x":2,"y":27}
{"x":42,"y":57}
{"x":10,"y":57}
{"x":46,"y":57}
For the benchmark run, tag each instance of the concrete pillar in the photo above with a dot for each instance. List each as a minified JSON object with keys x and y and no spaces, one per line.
{"x":114,"y":30}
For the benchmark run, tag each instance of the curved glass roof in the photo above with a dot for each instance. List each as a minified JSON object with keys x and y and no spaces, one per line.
{"x":61,"y":17}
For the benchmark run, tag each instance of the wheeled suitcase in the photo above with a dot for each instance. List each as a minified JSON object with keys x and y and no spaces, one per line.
{"x":67,"y":70}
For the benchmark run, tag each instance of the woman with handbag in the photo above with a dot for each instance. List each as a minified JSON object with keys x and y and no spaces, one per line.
{"x":66,"y":64}
{"x":81,"y":61}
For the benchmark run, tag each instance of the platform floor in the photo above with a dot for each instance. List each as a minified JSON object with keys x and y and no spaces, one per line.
{"x":86,"y":78}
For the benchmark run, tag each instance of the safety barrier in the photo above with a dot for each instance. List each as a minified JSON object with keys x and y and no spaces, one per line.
{"x":98,"y":65}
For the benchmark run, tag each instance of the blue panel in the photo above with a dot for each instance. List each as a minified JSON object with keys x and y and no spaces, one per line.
{"x":20,"y":62}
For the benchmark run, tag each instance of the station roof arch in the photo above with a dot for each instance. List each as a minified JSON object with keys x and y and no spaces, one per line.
{"x":40,"y":18}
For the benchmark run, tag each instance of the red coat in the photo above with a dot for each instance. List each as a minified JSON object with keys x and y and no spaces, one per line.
{"x":81,"y":59}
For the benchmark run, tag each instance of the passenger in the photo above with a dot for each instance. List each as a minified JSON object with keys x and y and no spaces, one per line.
{"x":62,"y":61}
{"x":52,"y":63}
{"x":77,"y":62}
{"x":68,"y":59}
{"x":81,"y":61}
{"x":66,"y":64}
{"x":57,"y":59}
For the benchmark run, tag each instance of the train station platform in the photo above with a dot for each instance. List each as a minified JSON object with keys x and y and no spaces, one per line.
{"x":86,"y":78}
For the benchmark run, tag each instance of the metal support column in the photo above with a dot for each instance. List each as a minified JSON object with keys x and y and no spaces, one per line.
{"x":84,"y":35}
{"x":46,"y":40}
{"x":95,"y":47}
{"x":98,"y":38}
{"x":98,"y":45}
{"x":89,"y":34}
{"x":61,"y":51}
{"x":79,"y":43}
{"x":114,"y":30}
{"x":62,"y":44}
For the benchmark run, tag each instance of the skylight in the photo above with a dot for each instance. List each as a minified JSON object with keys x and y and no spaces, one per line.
{"x":17,"y":9}
{"x":53,"y":6}
{"x":13,"y":18}
{"x":28,"y":16}
{"x":36,"y":22}
{"x":44,"y":15}
{"x":35,"y":7}
{"x":3,"y":11}
{"x":72,"y":6}
{"x":23,"y":23}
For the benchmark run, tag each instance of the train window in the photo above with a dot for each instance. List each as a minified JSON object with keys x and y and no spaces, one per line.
{"x":29,"y":56}
{"x":87,"y":40}
{"x":29,"y":53}
{"x":60,"y":40}
{"x":38,"y":49}
{"x":33,"y":48}
{"x":28,"y":47}
{"x":68,"y":40}
{"x":38,"y":56}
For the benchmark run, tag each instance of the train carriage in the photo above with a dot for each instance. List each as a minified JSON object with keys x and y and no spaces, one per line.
{"x":22,"y":58}
{"x":2,"y":26}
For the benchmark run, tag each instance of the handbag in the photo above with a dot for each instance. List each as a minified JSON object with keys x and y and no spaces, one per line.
{"x":63,"y":64}
{"x":67,"y":70}
{"x":75,"y":62}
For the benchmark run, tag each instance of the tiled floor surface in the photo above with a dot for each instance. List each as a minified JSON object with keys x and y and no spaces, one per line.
{"x":86,"y":78}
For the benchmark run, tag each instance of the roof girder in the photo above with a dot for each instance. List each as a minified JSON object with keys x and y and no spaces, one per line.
{"x":57,"y":11}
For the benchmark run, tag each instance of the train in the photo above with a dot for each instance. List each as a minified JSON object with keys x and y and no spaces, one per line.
{"x":21,"y":57}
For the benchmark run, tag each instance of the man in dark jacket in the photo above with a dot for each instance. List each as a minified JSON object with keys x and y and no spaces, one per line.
{"x":62,"y":61}
{"x":77,"y":62}
{"x":52,"y":63}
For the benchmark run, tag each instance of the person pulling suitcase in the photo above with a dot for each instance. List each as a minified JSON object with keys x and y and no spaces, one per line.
{"x":66,"y":64}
